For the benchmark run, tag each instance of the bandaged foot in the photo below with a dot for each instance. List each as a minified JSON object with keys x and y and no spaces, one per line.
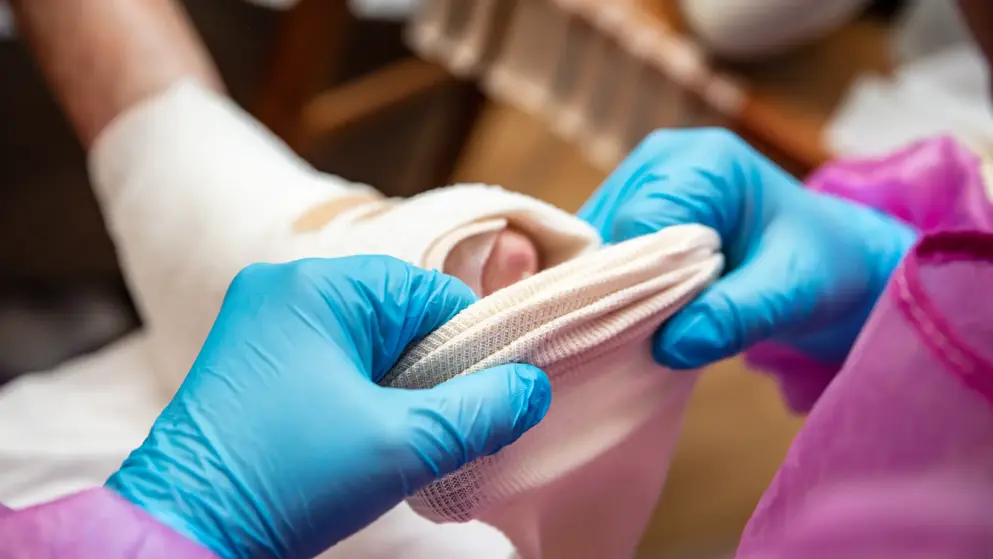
{"x":193,"y":190}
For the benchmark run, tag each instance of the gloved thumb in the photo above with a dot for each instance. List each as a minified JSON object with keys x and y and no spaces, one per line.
{"x":475,"y":415}
{"x":771,"y":292}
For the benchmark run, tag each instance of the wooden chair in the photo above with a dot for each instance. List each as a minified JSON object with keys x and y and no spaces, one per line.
{"x":313,"y":44}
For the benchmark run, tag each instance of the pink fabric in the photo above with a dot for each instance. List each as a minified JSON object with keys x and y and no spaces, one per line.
{"x":931,"y":185}
{"x":95,"y":523}
{"x":801,"y":379}
{"x":896,"y":458}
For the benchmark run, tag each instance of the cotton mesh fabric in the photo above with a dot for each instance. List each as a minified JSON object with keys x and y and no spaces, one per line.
{"x":931,"y":330}
{"x":588,"y":324}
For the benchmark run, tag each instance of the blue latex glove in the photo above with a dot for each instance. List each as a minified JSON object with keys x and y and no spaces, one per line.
{"x":803,"y":269}
{"x":280,"y":444}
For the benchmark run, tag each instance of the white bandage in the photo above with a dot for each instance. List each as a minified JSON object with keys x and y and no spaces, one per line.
{"x":193,"y":190}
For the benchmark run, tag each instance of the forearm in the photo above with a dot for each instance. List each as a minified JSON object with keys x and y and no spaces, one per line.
{"x":103,"y":56}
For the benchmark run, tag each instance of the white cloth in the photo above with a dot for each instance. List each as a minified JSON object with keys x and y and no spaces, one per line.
{"x":363,"y":9}
{"x":942,"y":93}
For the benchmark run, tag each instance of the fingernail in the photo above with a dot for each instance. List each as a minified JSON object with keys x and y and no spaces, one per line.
{"x":539,"y":396}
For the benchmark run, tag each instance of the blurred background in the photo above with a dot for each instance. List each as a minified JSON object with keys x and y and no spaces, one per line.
{"x":539,"y":96}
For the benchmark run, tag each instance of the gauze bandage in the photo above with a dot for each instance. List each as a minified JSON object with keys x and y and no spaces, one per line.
{"x":606,"y":441}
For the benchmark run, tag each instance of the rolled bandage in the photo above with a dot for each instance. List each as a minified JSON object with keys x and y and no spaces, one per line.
{"x":606,"y":440}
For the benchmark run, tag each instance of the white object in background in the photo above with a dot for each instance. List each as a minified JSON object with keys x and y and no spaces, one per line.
{"x":928,"y":26}
{"x":274,"y":4}
{"x":608,"y":437}
{"x":390,"y":10}
{"x":942,"y":93}
{"x":68,"y":428}
{"x":7,"y":28}
{"x":162,"y":173}
{"x":744,"y":29}
{"x":960,"y":71}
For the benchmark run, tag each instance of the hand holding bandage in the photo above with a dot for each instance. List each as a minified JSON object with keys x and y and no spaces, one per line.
{"x":608,"y":437}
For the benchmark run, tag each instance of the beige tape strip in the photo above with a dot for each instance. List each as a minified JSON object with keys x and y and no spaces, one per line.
{"x":319,"y":216}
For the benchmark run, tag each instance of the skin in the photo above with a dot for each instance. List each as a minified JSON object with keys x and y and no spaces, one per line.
{"x":95,"y":55}
{"x":514,"y":258}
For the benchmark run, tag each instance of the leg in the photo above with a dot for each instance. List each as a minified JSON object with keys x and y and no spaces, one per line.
{"x":97,"y":54}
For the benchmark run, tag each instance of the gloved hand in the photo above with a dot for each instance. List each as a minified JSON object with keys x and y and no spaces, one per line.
{"x":803,"y":269}
{"x":279,"y":443}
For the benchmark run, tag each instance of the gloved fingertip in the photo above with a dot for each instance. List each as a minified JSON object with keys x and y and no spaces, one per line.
{"x":534,"y":383}
{"x":492,"y":408}
{"x":633,"y":224}
{"x":689,"y":341}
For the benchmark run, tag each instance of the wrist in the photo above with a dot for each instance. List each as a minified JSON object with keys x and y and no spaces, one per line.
{"x":180,"y":494}
{"x":888,"y":242}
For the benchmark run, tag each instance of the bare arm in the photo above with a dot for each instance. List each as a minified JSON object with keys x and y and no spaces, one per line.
{"x":102,"y":56}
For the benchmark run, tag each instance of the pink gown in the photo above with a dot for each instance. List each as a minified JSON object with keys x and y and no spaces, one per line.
{"x":896,"y":456}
